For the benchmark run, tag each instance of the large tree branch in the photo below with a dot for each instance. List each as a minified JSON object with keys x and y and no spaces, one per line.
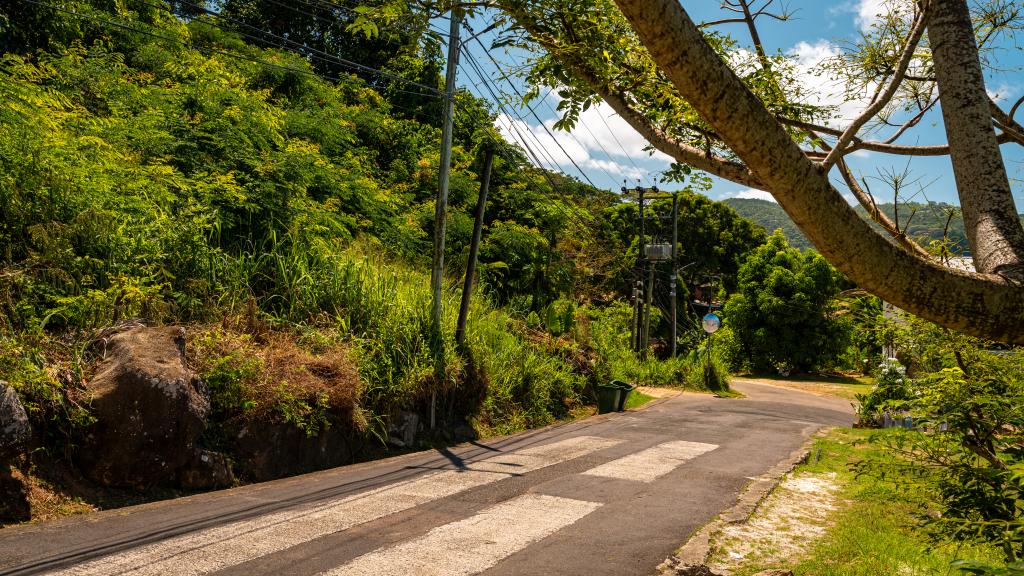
{"x":867,"y":201}
{"x":990,"y":217}
{"x":980,"y":304}
{"x":660,"y":139}
{"x":1011,"y":128}
{"x":679,"y":151}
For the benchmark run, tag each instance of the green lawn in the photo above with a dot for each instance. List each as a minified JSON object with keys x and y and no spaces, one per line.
{"x":637,"y":399}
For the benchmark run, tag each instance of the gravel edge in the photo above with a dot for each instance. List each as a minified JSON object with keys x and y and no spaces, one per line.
{"x":689,"y":559}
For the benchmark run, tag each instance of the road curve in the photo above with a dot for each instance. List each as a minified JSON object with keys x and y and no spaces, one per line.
{"x":612,"y":494}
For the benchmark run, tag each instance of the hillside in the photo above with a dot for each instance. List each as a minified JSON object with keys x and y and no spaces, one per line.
{"x":927,"y":222}
{"x":769,"y":216}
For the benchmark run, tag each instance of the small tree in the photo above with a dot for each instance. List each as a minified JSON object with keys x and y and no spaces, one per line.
{"x":782,"y":314}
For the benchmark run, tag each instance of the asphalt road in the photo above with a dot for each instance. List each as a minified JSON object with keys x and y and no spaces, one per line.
{"x":613,"y":494}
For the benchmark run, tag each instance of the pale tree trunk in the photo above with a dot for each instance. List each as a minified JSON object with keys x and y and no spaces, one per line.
{"x":980,"y":304}
{"x":990,"y":216}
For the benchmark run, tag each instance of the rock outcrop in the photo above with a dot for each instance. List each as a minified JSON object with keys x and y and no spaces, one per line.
{"x":150,"y":409}
{"x":207,"y":470}
{"x":267,"y":451}
{"x":15,"y":431}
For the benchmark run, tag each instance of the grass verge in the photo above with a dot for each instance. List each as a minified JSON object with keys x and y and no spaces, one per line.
{"x":875,"y":529}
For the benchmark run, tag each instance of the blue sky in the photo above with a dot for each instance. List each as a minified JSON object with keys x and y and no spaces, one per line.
{"x":608,"y":151}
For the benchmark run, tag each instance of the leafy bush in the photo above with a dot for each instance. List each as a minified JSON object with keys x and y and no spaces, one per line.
{"x":968,"y":448}
{"x":707,"y":370}
{"x":783,"y":314}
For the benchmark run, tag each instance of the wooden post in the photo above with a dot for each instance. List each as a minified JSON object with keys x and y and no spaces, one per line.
{"x":474,"y":248}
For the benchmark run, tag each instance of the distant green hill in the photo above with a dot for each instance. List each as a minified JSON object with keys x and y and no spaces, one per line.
{"x":769,"y":216}
{"x":927,"y":222}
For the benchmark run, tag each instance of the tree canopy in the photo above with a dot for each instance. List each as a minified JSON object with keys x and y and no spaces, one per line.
{"x":783,"y":313}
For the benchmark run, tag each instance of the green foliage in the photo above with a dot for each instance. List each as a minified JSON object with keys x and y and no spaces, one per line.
{"x":53,"y":404}
{"x":707,"y":370}
{"x":310,"y":417}
{"x":783,"y":313}
{"x":150,"y":175}
{"x":983,"y":569}
{"x":967,"y":447}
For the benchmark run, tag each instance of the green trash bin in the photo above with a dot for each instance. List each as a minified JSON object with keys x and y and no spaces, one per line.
{"x":625,"y":388}
{"x":608,"y":397}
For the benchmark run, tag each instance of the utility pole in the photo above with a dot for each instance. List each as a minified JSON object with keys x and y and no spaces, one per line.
{"x":634,"y":323}
{"x":474,"y":248}
{"x":641,"y":258}
{"x":441,"y":207}
{"x":647,"y":306}
{"x":675,"y":263}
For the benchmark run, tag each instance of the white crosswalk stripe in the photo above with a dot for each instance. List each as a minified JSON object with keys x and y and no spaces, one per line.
{"x":213,"y":549}
{"x":650,"y":464}
{"x":475,"y":544}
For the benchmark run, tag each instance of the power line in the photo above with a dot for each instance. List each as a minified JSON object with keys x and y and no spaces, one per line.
{"x":598,"y":140}
{"x":571,"y":216}
{"x":587,"y":128}
{"x":516,"y":90}
{"x":490,"y":88}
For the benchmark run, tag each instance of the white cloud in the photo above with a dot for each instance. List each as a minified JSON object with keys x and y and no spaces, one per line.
{"x":818,"y":86}
{"x":870,"y":12}
{"x":1001,"y":92}
{"x":601,"y":141}
{"x":749,"y":193}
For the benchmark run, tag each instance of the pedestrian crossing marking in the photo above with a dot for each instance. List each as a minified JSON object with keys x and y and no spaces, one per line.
{"x":212,"y":549}
{"x":650,"y":464}
{"x":474,"y":544}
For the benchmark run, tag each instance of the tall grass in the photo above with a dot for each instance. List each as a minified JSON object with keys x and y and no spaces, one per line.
{"x":500,"y":379}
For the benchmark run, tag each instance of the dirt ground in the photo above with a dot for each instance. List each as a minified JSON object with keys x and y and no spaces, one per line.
{"x":838,"y":387}
{"x":785,"y":524}
{"x":656,"y":392}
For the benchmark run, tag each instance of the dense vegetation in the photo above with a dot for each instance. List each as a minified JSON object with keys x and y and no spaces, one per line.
{"x":783,"y":313}
{"x":166,"y":169}
{"x":962,"y":460}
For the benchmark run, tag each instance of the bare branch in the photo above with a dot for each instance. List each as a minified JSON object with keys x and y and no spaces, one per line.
{"x":867,"y":200}
{"x":897,"y":78}
{"x":912,"y":122}
{"x":1013,"y":109}
{"x":884,"y":147}
{"x":720,"y":22}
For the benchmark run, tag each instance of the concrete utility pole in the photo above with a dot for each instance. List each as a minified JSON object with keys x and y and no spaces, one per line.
{"x":441,"y":207}
{"x":474,"y":248}
{"x":649,"y":300}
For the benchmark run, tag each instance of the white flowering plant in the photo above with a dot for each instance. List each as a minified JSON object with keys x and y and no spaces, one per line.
{"x":891,"y":388}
